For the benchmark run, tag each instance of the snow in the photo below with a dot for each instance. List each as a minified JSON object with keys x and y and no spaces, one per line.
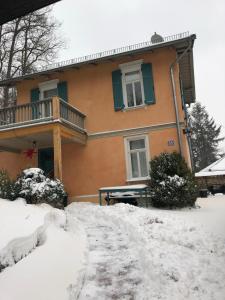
{"x":49,"y":269}
{"x":114,"y":252}
{"x":32,"y":171}
{"x":135,"y":253}
{"x":216,"y":168}
{"x":125,"y":187}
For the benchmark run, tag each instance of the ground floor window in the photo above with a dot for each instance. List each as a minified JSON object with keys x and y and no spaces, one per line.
{"x":137,"y":157}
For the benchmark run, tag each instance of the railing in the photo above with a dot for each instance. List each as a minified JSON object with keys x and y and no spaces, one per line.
{"x":98,"y":55}
{"x":71,"y":114}
{"x":26,"y":113}
{"x":41,"y":111}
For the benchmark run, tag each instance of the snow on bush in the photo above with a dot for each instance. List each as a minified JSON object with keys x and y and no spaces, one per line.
{"x":172,"y":183}
{"x":35,"y":187}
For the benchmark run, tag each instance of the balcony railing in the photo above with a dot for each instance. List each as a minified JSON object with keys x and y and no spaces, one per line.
{"x":41,"y":111}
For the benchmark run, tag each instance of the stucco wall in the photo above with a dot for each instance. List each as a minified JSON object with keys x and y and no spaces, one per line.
{"x":90,"y":90}
{"x":101,"y":162}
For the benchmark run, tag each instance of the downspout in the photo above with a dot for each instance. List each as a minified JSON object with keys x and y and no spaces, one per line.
{"x":175,"y":96}
{"x":188,"y":134}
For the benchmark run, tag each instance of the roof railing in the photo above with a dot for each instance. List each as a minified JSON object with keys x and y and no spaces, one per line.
{"x":106,"y":53}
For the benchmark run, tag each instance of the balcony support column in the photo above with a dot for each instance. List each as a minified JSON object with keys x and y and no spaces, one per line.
{"x":56,"y":108}
{"x":57,"y":153}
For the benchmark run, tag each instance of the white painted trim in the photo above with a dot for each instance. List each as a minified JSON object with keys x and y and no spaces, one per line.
{"x":86,"y":196}
{"x":132,"y":67}
{"x":125,"y":109}
{"x":127,"y":156}
{"x":47,"y":85}
{"x":139,"y":179}
{"x":133,"y":131}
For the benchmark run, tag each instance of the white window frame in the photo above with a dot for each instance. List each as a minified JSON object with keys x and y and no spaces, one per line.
{"x":128,"y":157}
{"x":132,"y":67}
{"x":47,"y":85}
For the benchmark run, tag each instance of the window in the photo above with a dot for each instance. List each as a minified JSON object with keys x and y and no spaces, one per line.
{"x":132,"y":82}
{"x":137,"y":157}
{"x":48,"y":89}
{"x":50,"y":93}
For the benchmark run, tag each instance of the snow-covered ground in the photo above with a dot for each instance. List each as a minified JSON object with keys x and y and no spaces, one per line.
{"x":116,"y":252}
{"x":45,"y":252}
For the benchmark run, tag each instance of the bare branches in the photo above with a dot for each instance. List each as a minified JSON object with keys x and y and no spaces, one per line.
{"x":27,"y":43}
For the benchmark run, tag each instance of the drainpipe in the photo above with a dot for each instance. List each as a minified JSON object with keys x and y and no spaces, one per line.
{"x":175,"y":96}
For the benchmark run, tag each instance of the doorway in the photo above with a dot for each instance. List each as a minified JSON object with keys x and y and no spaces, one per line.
{"x":46,"y":161}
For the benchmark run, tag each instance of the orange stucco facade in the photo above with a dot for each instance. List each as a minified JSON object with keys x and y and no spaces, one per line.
{"x":102,"y":160}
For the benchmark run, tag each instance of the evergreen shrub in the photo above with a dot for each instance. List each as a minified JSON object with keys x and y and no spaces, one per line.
{"x":7,"y":188}
{"x":35,"y":187}
{"x":172,"y":182}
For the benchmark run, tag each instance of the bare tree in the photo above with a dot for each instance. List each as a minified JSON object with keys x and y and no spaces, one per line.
{"x":26,"y":44}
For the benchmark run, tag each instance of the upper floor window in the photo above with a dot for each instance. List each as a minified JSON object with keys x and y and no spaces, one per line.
{"x":133,"y":86}
{"x":132,"y":82}
{"x":50,"y":93}
{"x":48,"y":89}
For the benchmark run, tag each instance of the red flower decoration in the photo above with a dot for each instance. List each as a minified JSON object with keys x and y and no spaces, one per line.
{"x":29,"y":153}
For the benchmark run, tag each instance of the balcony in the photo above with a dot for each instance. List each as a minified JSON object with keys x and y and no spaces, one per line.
{"x":44,"y":111}
{"x":43,"y":124}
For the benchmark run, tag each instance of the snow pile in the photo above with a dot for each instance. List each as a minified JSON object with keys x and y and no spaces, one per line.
{"x":142,"y":254}
{"x":52,"y":247}
{"x":132,"y":253}
{"x":23,"y":229}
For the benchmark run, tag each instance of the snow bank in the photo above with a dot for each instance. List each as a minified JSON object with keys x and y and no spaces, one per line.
{"x":52,"y":269}
{"x":22,"y":228}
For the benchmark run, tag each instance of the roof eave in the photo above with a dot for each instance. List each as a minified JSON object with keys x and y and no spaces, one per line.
{"x":174,"y":43}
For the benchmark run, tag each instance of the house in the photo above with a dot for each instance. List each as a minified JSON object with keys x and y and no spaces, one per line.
{"x":213,"y":176}
{"x":99,"y":119}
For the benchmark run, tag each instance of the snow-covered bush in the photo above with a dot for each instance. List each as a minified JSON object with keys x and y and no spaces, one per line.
{"x":7,"y":190}
{"x":172,"y":182}
{"x":35,"y":187}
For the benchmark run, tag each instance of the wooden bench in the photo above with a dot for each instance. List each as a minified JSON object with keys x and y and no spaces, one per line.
{"x":123,"y":193}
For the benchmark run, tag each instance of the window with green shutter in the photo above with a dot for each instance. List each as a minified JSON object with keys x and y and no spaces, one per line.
{"x":62,"y":90}
{"x":34,"y":94}
{"x":137,"y":83}
{"x":117,"y":90}
{"x":148,"y":83}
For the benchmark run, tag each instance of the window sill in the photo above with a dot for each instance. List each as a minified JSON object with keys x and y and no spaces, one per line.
{"x":134,"y":107}
{"x":138,"y":179}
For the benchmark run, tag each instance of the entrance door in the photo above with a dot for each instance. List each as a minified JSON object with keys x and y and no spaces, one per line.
{"x":46,"y":161}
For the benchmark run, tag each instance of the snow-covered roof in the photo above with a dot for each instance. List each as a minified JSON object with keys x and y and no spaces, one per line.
{"x":215,"y":169}
{"x":179,"y":42}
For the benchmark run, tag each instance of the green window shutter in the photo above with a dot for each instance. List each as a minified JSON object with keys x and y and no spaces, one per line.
{"x":34,"y":95}
{"x":148,"y":83}
{"x":62,"y":90}
{"x":117,"y":90}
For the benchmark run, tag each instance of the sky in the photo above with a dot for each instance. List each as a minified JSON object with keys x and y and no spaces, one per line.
{"x":91,"y":26}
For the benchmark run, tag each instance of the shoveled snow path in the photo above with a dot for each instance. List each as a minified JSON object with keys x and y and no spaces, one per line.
{"x":114,"y":269}
{"x":141,"y":254}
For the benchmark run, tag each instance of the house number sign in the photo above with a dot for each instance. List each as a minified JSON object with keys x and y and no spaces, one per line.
{"x":171,"y":142}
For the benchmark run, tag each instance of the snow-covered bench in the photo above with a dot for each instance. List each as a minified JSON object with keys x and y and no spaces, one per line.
{"x":127,"y":193}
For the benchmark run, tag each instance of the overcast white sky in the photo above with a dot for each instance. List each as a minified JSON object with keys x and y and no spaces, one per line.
{"x":95,"y":25}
